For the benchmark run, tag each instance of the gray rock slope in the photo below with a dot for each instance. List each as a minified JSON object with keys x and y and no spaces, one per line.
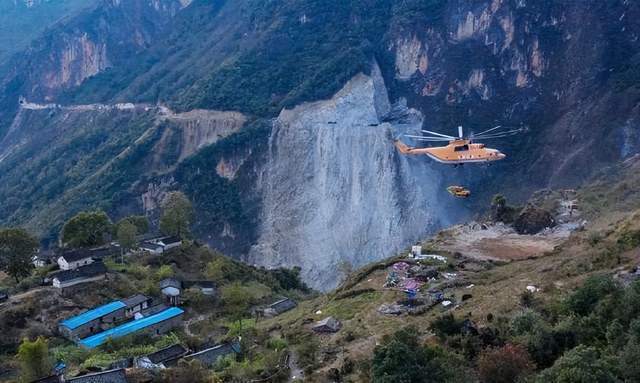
{"x":336,"y":191}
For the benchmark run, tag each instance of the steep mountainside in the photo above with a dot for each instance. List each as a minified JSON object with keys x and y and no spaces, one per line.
{"x":280,"y":188}
{"x":98,"y":38}
{"x":22,"y":20}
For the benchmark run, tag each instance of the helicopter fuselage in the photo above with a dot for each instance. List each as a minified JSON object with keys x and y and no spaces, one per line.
{"x":458,"y":151}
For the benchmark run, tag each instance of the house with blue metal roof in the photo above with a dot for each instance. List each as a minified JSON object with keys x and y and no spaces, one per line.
{"x":91,"y":321}
{"x":155,"y":324}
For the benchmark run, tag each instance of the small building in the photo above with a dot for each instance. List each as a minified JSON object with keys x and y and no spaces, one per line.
{"x":170,"y":242}
{"x":43,"y":258}
{"x":151,"y":247}
{"x":166,"y":357}
{"x":210,"y":356}
{"x":205,"y":287}
{"x":90,"y":322}
{"x":416,"y":251}
{"x":171,"y":289}
{"x":154,"y":325}
{"x":90,"y":273}
{"x":158,"y":246}
{"x":328,"y":324}
{"x":279,"y":307}
{"x":73,"y":259}
{"x":110,"y":376}
{"x":136,"y":304}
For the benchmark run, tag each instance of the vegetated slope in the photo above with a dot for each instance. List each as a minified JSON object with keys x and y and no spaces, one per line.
{"x":22,"y":21}
{"x":251,"y":56}
{"x":96,"y":156}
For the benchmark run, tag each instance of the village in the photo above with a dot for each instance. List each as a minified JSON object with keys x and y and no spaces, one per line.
{"x":168,"y":301}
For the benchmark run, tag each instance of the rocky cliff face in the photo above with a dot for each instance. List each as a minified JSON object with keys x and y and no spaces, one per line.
{"x":533,"y":65}
{"x":334,"y":188}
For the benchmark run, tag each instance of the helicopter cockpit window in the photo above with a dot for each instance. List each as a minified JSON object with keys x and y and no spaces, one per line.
{"x":461,"y":148}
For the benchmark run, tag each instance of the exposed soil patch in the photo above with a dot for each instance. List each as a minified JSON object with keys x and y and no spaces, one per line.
{"x":500,"y":242}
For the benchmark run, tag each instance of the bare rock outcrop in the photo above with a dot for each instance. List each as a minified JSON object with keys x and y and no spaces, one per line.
{"x":335,"y":189}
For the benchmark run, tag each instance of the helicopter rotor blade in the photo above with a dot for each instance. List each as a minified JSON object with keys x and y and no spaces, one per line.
{"x":438,"y":134}
{"x":426,"y":138}
{"x":489,"y":130}
{"x":512,"y":131}
{"x":508,"y":133}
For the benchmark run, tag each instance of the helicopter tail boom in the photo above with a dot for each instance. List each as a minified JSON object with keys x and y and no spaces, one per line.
{"x":402,"y":147}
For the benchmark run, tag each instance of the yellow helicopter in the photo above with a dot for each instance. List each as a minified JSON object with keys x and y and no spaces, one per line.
{"x":459,"y":150}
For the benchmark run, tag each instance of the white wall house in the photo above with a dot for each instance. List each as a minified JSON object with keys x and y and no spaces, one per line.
{"x":90,"y":273}
{"x":160,"y":245}
{"x":67,"y":262}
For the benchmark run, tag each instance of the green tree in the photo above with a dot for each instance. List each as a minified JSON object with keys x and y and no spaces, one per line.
{"x":530,"y":329}
{"x":218,"y":269}
{"x":86,"y":229}
{"x":580,"y":365}
{"x":237,"y":299}
{"x":139,"y":221}
{"x":34,"y":359}
{"x":177,"y":215}
{"x":401,"y":358}
{"x":628,"y":360}
{"x":126,"y":235}
{"x":594,"y":289}
{"x":165,"y":271}
{"x":17,"y":248}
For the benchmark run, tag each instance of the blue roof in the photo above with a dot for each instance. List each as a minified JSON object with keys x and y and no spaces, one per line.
{"x":130,"y":327}
{"x":88,"y":316}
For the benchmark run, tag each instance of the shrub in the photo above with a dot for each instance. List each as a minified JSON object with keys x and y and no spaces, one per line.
{"x":527,"y":299}
{"x":277,"y":344}
{"x":446,"y":325}
{"x":506,"y":364}
{"x":580,"y":365}
{"x":585,"y":298}
{"x":401,"y":358}
{"x":35,"y":361}
{"x":628,"y":361}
